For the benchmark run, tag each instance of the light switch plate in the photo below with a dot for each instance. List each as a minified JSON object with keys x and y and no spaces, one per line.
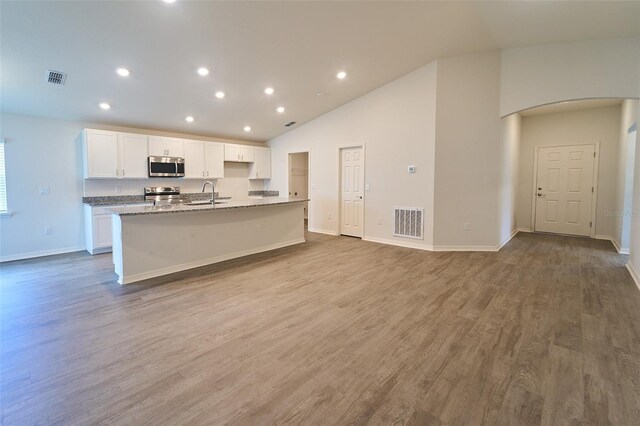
{"x":44,"y":190}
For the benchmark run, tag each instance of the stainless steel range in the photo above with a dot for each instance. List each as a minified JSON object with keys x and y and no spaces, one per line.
{"x":164,"y":195}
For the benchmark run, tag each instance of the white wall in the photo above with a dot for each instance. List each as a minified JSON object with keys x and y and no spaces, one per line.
{"x":634,"y":246}
{"x":533,"y":76}
{"x":47,"y":152}
{"x":396,"y":122}
{"x":468,"y":139}
{"x":509,"y":178}
{"x":585,"y":126}
{"x":628,"y":117}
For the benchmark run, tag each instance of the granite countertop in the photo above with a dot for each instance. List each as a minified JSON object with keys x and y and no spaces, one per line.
{"x":185,"y":208}
{"x":116,"y":200}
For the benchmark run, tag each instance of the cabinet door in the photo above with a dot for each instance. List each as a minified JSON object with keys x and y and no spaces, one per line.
{"x":101,"y":231}
{"x":247,"y":154}
{"x":231,"y":152}
{"x":194,"y":159}
{"x":214,"y":160}
{"x":166,"y":147}
{"x":133,"y":155}
{"x":261,"y":167}
{"x":101,"y":154}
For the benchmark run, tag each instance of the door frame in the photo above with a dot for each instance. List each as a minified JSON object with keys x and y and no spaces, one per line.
{"x":308,"y":152}
{"x":364,"y":198}
{"x":594,"y":195}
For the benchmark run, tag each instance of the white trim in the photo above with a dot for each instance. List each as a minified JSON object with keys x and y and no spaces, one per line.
{"x":323,"y":231}
{"x":524,"y":230}
{"x":41,"y":253}
{"x":620,"y":250}
{"x":594,"y":196}
{"x":406,"y":244}
{"x":509,"y":237}
{"x":203,"y":262}
{"x":6,"y":214}
{"x":634,"y":274}
{"x":603,"y":237}
{"x":465,"y":248}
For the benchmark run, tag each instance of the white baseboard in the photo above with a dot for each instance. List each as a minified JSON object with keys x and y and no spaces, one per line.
{"x":322,"y":231}
{"x":506,"y":240}
{"x":620,"y":250}
{"x":204,"y":262}
{"x":465,"y":248}
{"x":634,"y":274}
{"x":604,"y":237}
{"x":399,"y":243}
{"x":524,"y":230}
{"x":41,"y":253}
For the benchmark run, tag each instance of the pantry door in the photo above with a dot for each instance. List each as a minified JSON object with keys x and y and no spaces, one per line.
{"x":352,"y":191}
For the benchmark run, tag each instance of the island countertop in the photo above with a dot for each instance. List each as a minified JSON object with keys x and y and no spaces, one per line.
{"x":187,"y":208}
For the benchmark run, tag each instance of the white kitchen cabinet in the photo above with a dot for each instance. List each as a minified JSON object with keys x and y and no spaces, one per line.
{"x":133,"y":151}
{"x":238,"y":153}
{"x":166,"y":147}
{"x":214,"y":160}
{"x":261,"y":167}
{"x":203,"y":160}
{"x":100,"y":154}
{"x":97,"y":227}
{"x":194,"y":160}
{"x":114,"y":155}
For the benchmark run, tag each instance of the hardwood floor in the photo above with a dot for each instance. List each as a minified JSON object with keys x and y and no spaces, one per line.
{"x":334,"y":331}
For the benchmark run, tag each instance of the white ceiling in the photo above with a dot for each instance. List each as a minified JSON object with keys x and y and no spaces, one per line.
{"x":295,"y":47}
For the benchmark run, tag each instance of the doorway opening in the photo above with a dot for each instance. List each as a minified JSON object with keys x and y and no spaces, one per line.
{"x":565,"y":189}
{"x":299,"y":178}
{"x":630,"y":146}
{"x":352,"y":191}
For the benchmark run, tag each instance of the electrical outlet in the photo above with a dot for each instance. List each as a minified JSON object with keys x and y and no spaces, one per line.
{"x":256,"y":228}
{"x":329,"y":216}
{"x":379,"y":221}
{"x":467,"y":226}
{"x":367,"y":187}
{"x":313,"y":186}
{"x":48,"y":230}
{"x":44,"y":190}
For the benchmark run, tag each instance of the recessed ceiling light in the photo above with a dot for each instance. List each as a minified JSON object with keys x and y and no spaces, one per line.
{"x":319,"y":94}
{"x":219,"y":95}
{"x":341,"y":75}
{"x":280,"y":109}
{"x":269,"y":90}
{"x":169,"y":1}
{"x":123,"y":72}
{"x":105,"y":105}
{"x":189,"y":119}
{"x":247,"y":128}
{"x":203,"y":71}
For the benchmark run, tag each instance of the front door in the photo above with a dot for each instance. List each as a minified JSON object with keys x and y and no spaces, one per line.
{"x":564,"y":189}
{"x":352,"y":194}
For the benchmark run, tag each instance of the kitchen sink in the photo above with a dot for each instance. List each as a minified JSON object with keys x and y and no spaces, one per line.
{"x":203,"y":202}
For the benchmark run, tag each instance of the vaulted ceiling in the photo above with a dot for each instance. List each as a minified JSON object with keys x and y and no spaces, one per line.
{"x":297,"y":48}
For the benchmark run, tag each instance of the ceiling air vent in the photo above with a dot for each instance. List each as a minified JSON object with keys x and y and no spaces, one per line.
{"x":56,"y":77}
{"x":289,"y":124}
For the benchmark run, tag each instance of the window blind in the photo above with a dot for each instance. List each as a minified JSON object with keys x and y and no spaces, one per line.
{"x":3,"y":181}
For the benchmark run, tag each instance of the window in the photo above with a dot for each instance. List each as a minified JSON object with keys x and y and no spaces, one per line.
{"x":3,"y":181}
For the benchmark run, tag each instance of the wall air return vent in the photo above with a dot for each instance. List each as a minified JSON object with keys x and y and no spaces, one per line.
{"x":409,"y":222}
{"x":56,"y":77}
{"x":289,"y":124}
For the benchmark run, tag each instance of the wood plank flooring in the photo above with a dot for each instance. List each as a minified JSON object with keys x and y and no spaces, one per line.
{"x":333,"y":331}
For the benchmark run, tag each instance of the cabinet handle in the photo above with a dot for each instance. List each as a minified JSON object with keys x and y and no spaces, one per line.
{"x":122,"y":172}
{"x":202,"y":173}
{"x":207,"y":174}
{"x":117,"y":174}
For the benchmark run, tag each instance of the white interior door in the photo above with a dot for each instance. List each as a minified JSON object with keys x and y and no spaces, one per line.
{"x":352,"y":194}
{"x":564,"y":189}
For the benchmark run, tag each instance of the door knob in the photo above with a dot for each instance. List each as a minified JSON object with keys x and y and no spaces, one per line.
{"x":540,"y":194}
{"x":539,"y":189}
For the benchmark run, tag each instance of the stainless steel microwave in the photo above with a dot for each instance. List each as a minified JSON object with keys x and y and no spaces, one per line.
{"x":166,"y":167}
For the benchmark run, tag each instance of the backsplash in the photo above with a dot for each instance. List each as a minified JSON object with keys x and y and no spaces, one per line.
{"x":236,"y":184}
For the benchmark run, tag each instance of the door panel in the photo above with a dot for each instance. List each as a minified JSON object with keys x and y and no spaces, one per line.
{"x":352,"y":165}
{"x":564,"y":189}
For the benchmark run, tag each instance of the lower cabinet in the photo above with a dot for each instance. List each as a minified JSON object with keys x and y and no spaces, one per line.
{"x":97,"y":228}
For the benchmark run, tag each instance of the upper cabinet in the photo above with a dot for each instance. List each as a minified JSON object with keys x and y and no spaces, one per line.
{"x":166,"y":147}
{"x":203,"y":160}
{"x":261,"y":167}
{"x":238,"y":153}
{"x":114,"y":155}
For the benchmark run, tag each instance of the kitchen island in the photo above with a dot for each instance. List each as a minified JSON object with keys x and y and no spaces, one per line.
{"x":151,"y":241}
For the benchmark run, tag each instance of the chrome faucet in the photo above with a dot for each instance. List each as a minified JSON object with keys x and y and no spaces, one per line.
{"x":213,"y":191}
